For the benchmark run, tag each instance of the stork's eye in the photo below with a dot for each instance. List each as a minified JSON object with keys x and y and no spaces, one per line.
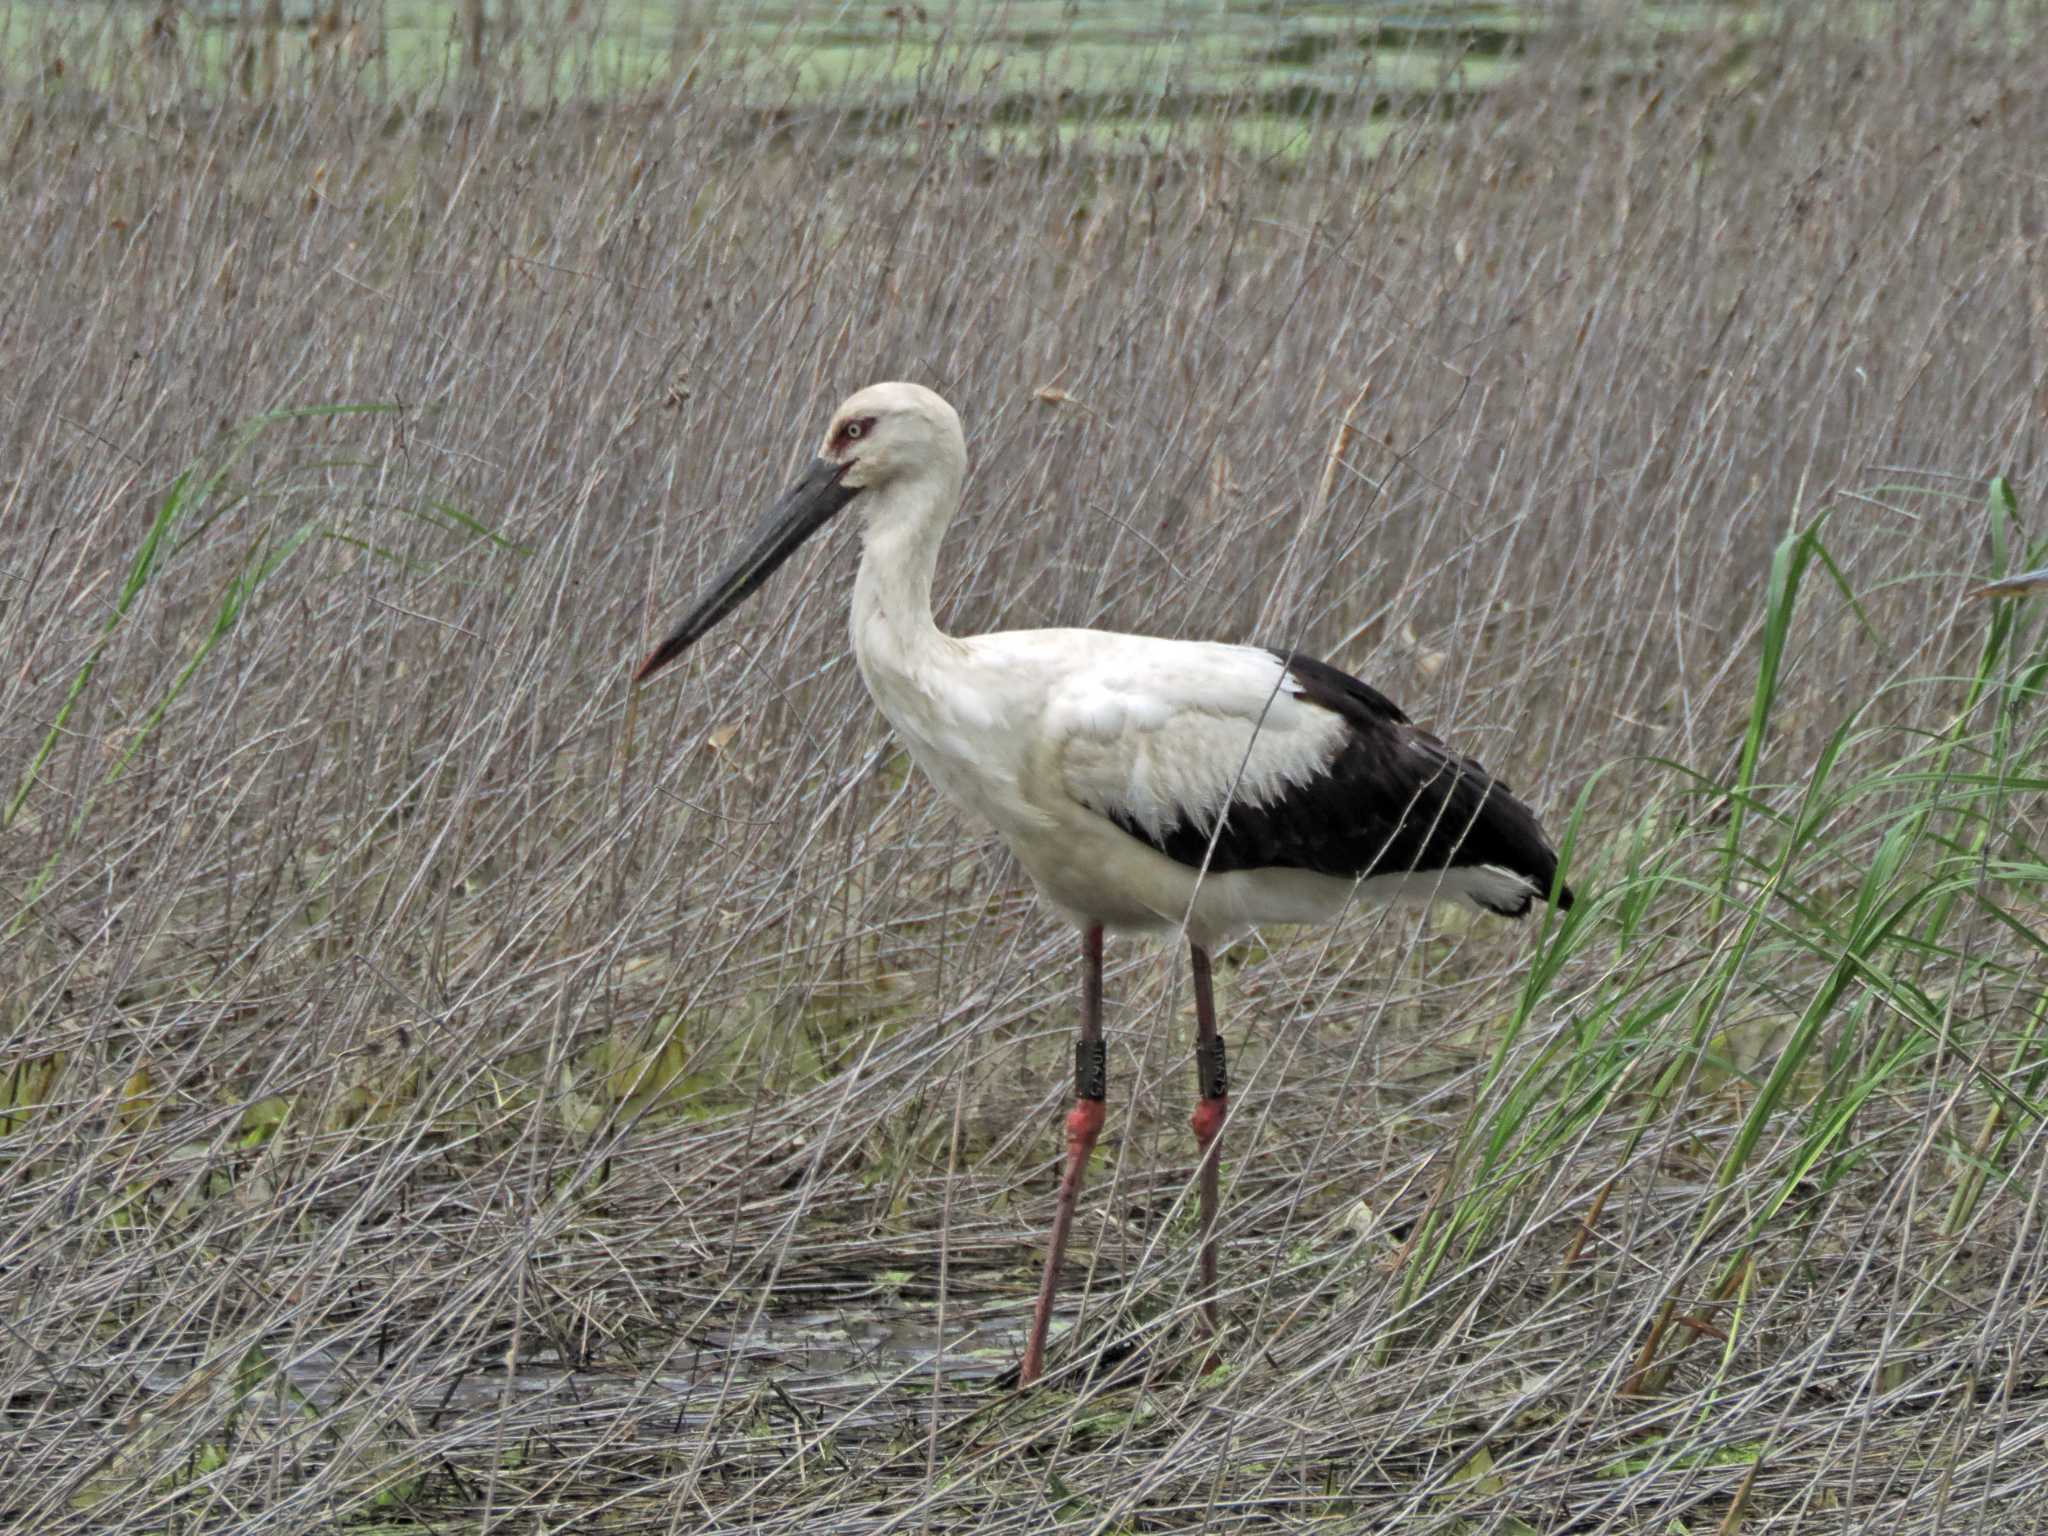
{"x":851,"y":430}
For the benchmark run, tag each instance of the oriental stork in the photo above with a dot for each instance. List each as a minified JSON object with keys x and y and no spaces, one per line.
{"x":1147,"y":786}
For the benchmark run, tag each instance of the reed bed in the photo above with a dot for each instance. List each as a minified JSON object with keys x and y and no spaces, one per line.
{"x":445,"y":1091}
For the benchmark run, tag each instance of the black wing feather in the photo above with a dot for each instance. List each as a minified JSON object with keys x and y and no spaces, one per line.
{"x":1393,"y":800}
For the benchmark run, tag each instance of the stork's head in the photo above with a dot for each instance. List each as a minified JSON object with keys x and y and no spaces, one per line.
{"x":887,"y":439}
{"x":889,"y":432}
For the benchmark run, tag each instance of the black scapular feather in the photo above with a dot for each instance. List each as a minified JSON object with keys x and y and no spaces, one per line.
{"x":1393,"y":800}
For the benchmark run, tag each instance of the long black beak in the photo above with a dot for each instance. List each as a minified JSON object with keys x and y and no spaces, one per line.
{"x":797,"y":514}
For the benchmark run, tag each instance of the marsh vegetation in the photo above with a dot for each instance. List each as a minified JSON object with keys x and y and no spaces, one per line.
{"x":443,"y":1091}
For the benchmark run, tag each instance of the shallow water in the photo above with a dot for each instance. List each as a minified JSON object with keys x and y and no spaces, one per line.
{"x":1295,"y":57}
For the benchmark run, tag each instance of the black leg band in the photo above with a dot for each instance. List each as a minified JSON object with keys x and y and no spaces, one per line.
{"x":1091,"y":1070}
{"x":1210,"y":1070}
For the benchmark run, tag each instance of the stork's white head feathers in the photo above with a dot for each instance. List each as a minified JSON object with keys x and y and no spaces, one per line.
{"x":895,"y":431}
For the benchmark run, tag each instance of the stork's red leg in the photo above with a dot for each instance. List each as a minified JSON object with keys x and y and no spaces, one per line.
{"x":1083,"y":1126}
{"x":1209,"y":1116}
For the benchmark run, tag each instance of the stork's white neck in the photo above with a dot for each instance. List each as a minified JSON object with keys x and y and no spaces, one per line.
{"x":893,"y":628}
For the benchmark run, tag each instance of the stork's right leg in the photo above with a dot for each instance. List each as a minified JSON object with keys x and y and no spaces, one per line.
{"x":1083,"y":1126}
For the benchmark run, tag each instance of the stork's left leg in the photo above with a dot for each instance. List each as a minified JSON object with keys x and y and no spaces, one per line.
{"x":1209,"y":1116}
